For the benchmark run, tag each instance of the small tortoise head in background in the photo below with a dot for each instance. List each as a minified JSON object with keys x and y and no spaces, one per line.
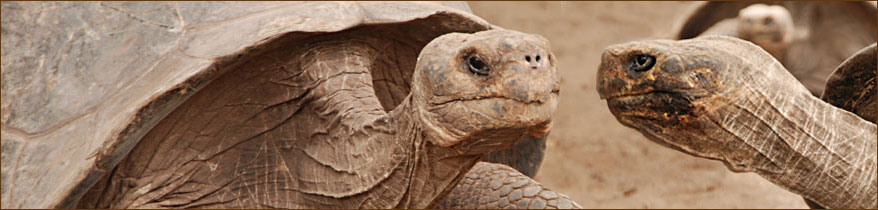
{"x":487,"y":85}
{"x":770,"y":27}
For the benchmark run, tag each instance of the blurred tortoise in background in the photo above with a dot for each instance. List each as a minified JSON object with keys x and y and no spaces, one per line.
{"x":265,"y":104}
{"x":723,"y":98}
{"x":809,"y":38}
{"x":768,"y":26}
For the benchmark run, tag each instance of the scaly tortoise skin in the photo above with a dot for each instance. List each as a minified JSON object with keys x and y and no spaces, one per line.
{"x":723,"y":98}
{"x":822,"y":34}
{"x":498,"y":186}
{"x":97,"y":108}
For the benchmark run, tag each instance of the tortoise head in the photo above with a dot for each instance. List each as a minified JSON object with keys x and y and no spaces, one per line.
{"x":764,"y":24}
{"x":470,"y":90}
{"x":662,"y":88}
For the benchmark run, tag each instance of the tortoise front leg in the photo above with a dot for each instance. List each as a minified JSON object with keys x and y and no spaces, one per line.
{"x":497,"y":186}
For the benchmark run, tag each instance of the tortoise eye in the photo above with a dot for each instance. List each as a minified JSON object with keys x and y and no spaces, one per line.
{"x":768,"y":21}
{"x":476,"y":65}
{"x":642,"y":63}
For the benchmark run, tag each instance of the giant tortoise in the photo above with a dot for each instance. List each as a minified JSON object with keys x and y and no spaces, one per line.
{"x":809,"y":38}
{"x":724,"y":98}
{"x":266,"y":104}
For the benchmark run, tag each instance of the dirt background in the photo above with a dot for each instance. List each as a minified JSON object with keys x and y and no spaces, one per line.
{"x":593,"y":158}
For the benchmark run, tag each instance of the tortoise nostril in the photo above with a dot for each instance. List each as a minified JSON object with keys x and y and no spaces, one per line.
{"x":537,"y":58}
{"x":527,"y":58}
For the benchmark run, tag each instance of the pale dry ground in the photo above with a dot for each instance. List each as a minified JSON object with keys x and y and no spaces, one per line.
{"x":591,"y":157}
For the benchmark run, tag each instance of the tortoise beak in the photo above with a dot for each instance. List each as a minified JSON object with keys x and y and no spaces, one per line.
{"x":614,"y":80}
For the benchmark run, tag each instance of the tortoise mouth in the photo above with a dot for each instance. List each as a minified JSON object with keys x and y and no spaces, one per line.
{"x":530,"y":101}
{"x":629,"y":94}
{"x":657,"y":106}
{"x":465,"y":119}
{"x":631,"y":105}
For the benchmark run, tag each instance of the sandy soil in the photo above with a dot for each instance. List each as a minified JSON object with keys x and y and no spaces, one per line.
{"x":593,"y":158}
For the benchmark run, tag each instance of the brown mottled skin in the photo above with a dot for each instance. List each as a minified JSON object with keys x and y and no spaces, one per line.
{"x":324,"y":139}
{"x":726,"y":99}
{"x":497,"y":186}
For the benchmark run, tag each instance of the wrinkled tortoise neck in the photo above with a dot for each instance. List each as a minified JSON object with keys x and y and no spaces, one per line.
{"x":431,"y":170}
{"x":801,"y":143}
{"x":425,"y":172}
